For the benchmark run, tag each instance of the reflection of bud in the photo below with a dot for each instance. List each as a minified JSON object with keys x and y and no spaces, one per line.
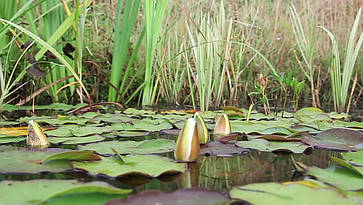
{"x":223,"y":126}
{"x":187,"y":146}
{"x":203,"y":133}
{"x":36,"y":136}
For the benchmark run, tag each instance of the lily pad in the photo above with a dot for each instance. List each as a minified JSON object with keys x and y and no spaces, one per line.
{"x":146,"y":165}
{"x":289,"y":194}
{"x":222,"y":150}
{"x":6,"y":140}
{"x":143,"y":125}
{"x":336,"y":139}
{"x":274,"y":146}
{"x":132,"y":147}
{"x":63,"y":131}
{"x":89,"y":130}
{"x":310,"y":113}
{"x":37,"y":191}
{"x":7,"y":123}
{"x":346,"y":164}
{"x":130,"y":133}
{"x":22,"y":160}
{"x":342,"y":178}
{"x":355,"y":158}
{"x":76,"y":140}
{"x":191,"y":196}
{"x":73,"y":155}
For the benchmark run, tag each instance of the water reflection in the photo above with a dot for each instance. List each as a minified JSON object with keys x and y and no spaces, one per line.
{"x":223,"y":173}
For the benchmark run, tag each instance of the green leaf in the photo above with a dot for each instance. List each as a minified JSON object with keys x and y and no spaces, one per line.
{"x":354,"y":157}
{"x":21,"y":160}
{"x":73,"y":155}
{"x":76,"y":140}
{"x":341,"y":178}
{"x":289,"y":194}
{"x":131,"y":147}
{"x":6,"y":140}
{"x":346,"y":164}
{"x":274,"y":146}
{"x":36,"y":191}
{"x":146,"y":165}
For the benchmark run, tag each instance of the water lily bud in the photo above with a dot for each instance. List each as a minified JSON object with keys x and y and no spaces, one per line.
{"x":223,"y":126}
{"x":36,"y":136}
{"x":187,"y":146}
{"x":202,"y":129}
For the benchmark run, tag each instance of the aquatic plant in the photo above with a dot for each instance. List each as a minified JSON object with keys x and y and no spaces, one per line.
{"x":223,"y":126}
{"x":36,"y":136}
{"x":187,"y":146}
{"x":341,"y":77}
{"x":202,"y":129}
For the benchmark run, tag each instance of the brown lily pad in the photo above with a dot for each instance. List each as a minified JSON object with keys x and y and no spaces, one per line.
{"x":336,"y":139}
{"x":221,"y":150}
{"x":191,"y":196}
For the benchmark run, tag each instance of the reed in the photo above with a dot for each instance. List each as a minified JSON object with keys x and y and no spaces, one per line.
{"x":154,"y":15}
{"x":125,"y":23}
{"x":341,"y":77}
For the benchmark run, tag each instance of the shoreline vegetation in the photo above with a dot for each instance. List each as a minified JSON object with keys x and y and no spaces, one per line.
{"x":207,"y":54}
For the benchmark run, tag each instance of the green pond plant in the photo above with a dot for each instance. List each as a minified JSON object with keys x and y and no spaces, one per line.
{"x":187,"y":146}
{"x":341,"y":77}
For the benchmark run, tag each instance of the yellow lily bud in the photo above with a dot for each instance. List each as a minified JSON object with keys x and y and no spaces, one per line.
{"x":36,"y":136}
{"x":223,"y":126}
{"x":187,"y":146}
{"x":203,"y":133}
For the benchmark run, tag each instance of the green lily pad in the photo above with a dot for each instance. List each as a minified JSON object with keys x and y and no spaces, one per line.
{"x":37,"y":191}
{"x":289,"y":194}
{"x":7,"y":140}
{"x":113,"y":118}
{"x":132,"y":147}
{"x":191,"y":196}
{"x":342,"y":178}
{"x":336,"y":139}
{"x":73,"y":155}
{"x":262,"y":127}
{"x":59,"y":120}
{"x":76,"y":140}
{"x":143,"y":125}
{"x":83,"y":199}
{"x":146,"y":165}
{"x":89,"y":130}
{"x":64,"y":131}
{"x":54,"y":106}
{"x":310,"y":113}
{"x":354,"y":157}
{"x":273,"y":146}
{"x":22,"y":160}
{"x":7,"y":123}
{"x":130,"y":133}
{"x":133,"y":111}
{"x":346,"y":164}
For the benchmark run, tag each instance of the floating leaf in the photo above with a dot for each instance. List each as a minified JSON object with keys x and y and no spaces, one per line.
{"x":336,"y":139}
{"x":37,"y":191}
{"x":73,"y":155}
{"x":130,"y":133}
{"x":88,"y":130}
{"x":146,"y":165}
{"x":346,"y":164}
{"x":7,"y":123}
{"x":187,"y":146}
{"x":309,"y":113}
{"x":221,"y":150}
{"x":64,"y":131}
{"x":342,"y":178}
{"x":76,"y":140}
{"x":354,"y":157}
{"x":274,"y":146}
{"x":191,"y":196}
{"x":132,"y":147}
{"x":6,"y":140}
{"x":21,"y":160}
{"x":143,"y":125}
{"x":289,"y":194}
